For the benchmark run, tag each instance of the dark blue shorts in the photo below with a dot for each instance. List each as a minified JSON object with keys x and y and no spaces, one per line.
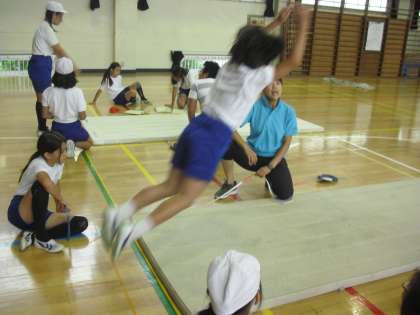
{"x":201,"y":146}
{"x":184,"y":91}
{"x":39,"y":70}
{"x":15,"y":218}
{"x":120,"y":98}
{"x":71,"y":131}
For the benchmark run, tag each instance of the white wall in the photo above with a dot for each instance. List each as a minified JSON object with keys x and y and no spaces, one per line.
{"x":84,"y":34}
{"x":188,"y":25}
{"x":143,"y":38}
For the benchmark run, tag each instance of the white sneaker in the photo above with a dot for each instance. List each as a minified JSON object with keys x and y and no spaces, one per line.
{"x":121,"y":238}
{"x":51,"y":246}
{"x":109,"y":226}
{"x":77,"y":152}
{"x":70,"y":148}
{"x":26,"y":240}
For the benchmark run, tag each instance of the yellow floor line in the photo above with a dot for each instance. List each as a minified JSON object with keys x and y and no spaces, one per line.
{"x":140,"y":166}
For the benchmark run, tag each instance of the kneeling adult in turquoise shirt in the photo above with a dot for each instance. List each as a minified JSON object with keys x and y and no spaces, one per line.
{"x":273,"y":124}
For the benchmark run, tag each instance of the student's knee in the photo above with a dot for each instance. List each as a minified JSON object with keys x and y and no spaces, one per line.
{"x":284,"y":194}
{"x":89,"y":143}
{"x":37,"y":188}
{"x":78,"y":224}
{"x":170,"y":187}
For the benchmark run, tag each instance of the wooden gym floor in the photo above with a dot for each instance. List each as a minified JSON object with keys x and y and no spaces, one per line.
{"x":384,"y":123}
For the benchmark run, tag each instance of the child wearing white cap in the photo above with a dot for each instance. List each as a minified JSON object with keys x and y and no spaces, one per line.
{"x":233,"y":284}
{"x":44,"y":45}
{"x":66,"y":105}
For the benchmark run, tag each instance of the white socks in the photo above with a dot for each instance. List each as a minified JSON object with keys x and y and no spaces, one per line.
{"x":141,"y":227}
{"x":126,"y":210}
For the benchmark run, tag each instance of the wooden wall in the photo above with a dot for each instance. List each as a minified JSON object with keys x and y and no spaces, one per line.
{"x":393,"y":51}
{"x":336,"y":45}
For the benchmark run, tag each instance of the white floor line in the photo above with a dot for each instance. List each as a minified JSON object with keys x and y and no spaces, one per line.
{"x":382,"y":156}
{"x":18,"y":138}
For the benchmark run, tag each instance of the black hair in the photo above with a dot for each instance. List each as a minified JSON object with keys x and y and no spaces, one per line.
{"x":211,"y":68}
{"x":49,"y":16}
{"x":244,"y":310}
{"x":107,"y":73}
{"x":178,"y":71}
{"x":66,"y":81}
{"x":49,"y":141}
{"x":411,"y":297}
{"x":255,"y":48}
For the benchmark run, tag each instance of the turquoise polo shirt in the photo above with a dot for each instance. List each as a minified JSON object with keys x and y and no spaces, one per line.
{"x":269,"y":126}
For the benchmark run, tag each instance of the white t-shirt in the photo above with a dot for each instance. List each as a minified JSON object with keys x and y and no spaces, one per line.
{"x":189,"y":79}
{"x":235,"y":91}
{"x":36,"y":166}
{"x":200,"y":89}
{"x":44,"y":38}
{"x":115,"y":88}
{"x":64,"y":104}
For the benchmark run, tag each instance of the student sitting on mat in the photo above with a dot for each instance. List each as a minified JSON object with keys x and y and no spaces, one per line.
{"x":119,"y":95}
{"x":28,"y":209}
{"x":233,"y":284}
{"x":273,"y":124}
{"x":205,"y":140}
{"x":182,"y":80}
{"x":66,"y":105}
{"x":201,"y":88}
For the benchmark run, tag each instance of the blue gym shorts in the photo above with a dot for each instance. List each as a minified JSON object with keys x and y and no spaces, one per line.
{"x":39,"y":70}
{"x":201,"y":146}
{"x":15,"y":218}
{"x":120,"y":98}
{"x":71,"y":131}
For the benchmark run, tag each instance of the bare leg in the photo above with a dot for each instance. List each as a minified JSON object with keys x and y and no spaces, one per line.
{"x":182,"y":101}
{"x":189,"y":190}
{"x":85,"y":145}
{"x":128,"y":232}
{"x":228,"y":170}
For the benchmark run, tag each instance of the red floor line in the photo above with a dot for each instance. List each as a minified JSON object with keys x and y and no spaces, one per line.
{"x":364,"y":301}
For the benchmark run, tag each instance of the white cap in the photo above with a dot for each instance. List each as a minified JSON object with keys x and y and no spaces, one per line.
{"x":64,"y":65}
{"x":55,"y":6}
{"x":233,"y":280}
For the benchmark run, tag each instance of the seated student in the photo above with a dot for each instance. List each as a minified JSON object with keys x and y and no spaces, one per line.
{"x":201,"y":88}
{"x":182,"y":80}
{"x":28,"y":209}
{"x":273,"y":124}
{"x":117,"y":92}
{"x":411,"y":297}
{"x":66,"y":105}
{"x":233,"y":284}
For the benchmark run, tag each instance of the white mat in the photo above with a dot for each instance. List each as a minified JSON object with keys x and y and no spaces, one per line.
{"x":155,"y":127}
{"x":320,"y":242}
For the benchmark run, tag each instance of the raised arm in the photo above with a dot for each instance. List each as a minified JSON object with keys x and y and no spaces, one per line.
{"x":295,"y":58}
{"x":281,"y":18}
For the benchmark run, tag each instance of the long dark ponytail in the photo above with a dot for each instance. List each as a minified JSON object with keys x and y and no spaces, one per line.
{"x":49,"y":141}
{"x":107,"y":73}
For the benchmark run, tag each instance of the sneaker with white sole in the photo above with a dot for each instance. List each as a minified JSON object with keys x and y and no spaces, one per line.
{"x":51,"y":246}
{"x":226,"y":190}
{"x":121,"y":238}
{"x":26,"y":240}
{"x":71,"y":146}
{"x":109,"y":226}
